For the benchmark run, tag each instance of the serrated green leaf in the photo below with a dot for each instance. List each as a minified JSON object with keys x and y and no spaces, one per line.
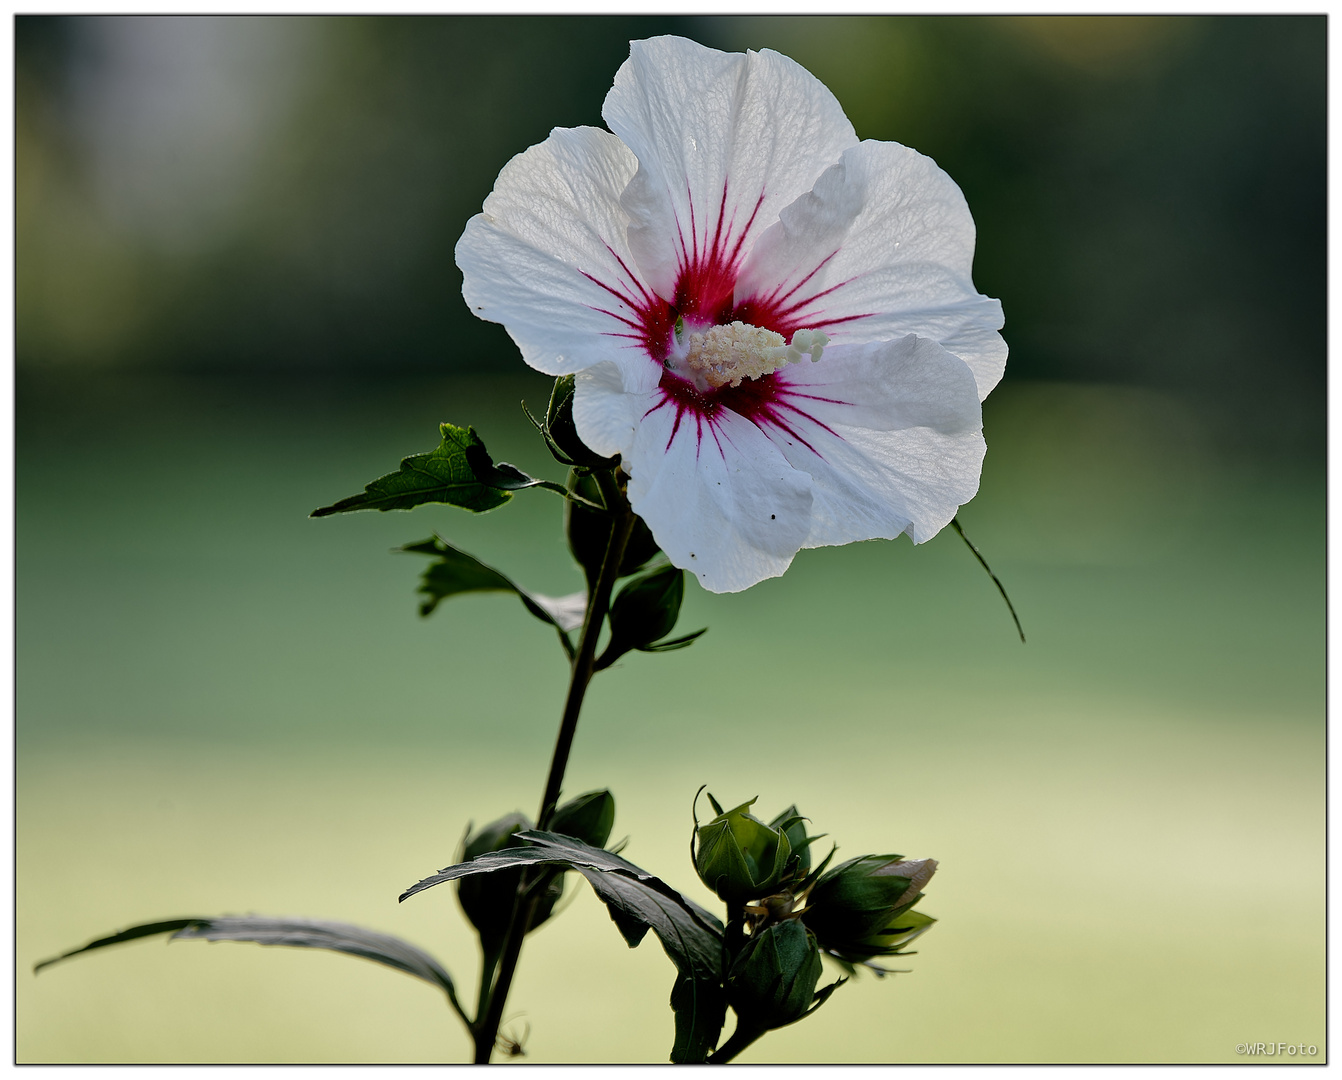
{"x":457,"y":572}
{"x":499,"y":475}
{"x":299,"y":933}
{"x":637,"y":902}
{"x":444,"y":475}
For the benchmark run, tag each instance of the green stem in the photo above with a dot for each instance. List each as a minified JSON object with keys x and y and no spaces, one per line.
{"x":742,"y":1037}
{"x":735,"y":935}
{"x":489,"y":964}
{"x":584,"y":660}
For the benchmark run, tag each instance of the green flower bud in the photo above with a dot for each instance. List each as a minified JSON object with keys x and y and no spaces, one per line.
{"x":739,"y":857}
{"x":564,"y":434}
{"x":861,"y":908}
{"x":646,"y":609}
{"x":487,"y":899}
{"x":772,"y":981}
{"x":588,"y":818}
{"x":588,"y":530}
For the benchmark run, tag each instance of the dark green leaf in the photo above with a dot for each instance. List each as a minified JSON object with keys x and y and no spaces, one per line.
{"x":637,"y":902}
{"x":457,"y":572}
{"x":299,"y":933}
{"x":700,"y":1007}
{"x":444,"y":475}
{"x":488,"y":900}
{"x":500,"y":476}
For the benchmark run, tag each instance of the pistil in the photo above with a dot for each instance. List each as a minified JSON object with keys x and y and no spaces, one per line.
{"x":725,"y":355}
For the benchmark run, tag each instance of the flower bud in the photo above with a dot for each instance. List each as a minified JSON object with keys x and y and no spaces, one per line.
{"x":563,"y":433}
{"x":589,"y":530}
{"x":861,"y":908}
{"x":646,"y":609}
{"x":772,"y":981}
{"x":487,"y":899}
{"x":739,"y":857}
{"x":588,"y":818}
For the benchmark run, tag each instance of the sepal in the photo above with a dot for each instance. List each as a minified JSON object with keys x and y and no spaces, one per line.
{"x":588,"y":817}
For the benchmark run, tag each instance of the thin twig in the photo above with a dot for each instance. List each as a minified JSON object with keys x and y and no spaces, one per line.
{"x":955,"y":524}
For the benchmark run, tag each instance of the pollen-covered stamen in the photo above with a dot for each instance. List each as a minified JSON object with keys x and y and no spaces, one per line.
{"x":725,"y":355}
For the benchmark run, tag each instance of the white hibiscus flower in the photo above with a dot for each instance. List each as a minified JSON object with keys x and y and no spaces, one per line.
{"x":772,"y":324}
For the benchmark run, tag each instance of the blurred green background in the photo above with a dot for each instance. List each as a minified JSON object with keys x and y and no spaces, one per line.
{"x":237,"y":301}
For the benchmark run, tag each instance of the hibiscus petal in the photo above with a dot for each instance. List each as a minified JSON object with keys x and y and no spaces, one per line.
{"x":724,"y":141}
{"x":608,"y":405}
{"x":882,"y":246}
{"x":719,"y":497}
{"x":890,"y":434}
{"x":548,"y":256}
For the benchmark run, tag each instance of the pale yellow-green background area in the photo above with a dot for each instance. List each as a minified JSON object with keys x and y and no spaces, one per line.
{"x":225,"y":707}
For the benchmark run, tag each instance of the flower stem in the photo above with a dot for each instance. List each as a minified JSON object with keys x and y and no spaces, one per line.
{"x":742,"y":1037}
{"x":486,"y":1027}
{"x":489,"y":964}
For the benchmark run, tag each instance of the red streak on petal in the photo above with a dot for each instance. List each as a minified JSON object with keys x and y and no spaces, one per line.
{"x":741,"y":237}
{"x":633,"y":278}
{"x":703,"y":295}
{"x":624,"y":298}
{"x":706,"y":281}
{"x":618,"y":318}
{"x":767,"y":402}
{"x":776,"y":298}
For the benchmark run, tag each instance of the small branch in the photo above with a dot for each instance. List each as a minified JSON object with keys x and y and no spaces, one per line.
{"x":742,"y":1037}
{"x":955,"y":524}
{"x":489,"y":964}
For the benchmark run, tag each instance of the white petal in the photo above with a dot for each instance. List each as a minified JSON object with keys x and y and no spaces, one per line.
{"x":553,"y":218}
{"x":720,"y":500}
{"x":608,"y":403}
{"x":891,"y":435}
{"x":723,"y":140}
{"x":883,"y":246}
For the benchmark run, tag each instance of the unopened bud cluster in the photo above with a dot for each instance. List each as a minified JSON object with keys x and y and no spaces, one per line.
{"x":783,"y":915}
